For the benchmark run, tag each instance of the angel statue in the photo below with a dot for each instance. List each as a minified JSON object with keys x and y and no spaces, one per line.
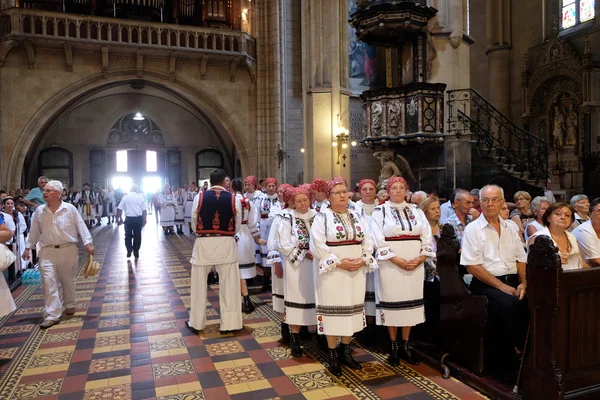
{"x":390,"y":168}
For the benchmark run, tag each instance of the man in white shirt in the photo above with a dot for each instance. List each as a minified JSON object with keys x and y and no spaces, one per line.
{"x":588,"y":235}
{"x":55,"y":226}
{"x":447,"y":208}
{"x":216,"y":218}
{"x":494,"y":255}
{"x":463,"y":214}
{"x":134,"y":207}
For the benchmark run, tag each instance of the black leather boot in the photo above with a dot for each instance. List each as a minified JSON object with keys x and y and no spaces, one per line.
{"x":405,"y":353}
{"x":346,"y":358}
{"x":394,"y":357}
{"x":304,"y":333}
{"x":285,"y":332}
{"x":322,"y":341}
{"x":247,"y":306}
{"x":334,"y":363}
{"x":295,"y":347}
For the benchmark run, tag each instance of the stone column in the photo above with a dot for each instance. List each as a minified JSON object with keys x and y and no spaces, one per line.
{"x":324,"y":85}
{"x":499,"y":45}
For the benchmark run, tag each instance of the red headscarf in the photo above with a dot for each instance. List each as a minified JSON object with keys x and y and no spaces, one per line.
{"x":268,"y":181}
{"x":395,"y":179}
{"x":300,"y":190}
{"x":287,"y":192}
{"x":364,"y":182}
{"x":251,"y":179}
{"x":334,"y":182}
{"x":338,"y":178}
{"x":319,"y":185}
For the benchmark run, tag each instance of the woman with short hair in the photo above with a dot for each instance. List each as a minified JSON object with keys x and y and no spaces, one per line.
{"x":581,"y":204}
{"x":538,"y":206}
{"x":522,"y":215}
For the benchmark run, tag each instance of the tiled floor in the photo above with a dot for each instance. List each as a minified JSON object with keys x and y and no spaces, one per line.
{"x":128,"y":340}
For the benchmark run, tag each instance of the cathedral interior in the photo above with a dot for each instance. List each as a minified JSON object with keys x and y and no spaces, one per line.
{"x":447,"y":93}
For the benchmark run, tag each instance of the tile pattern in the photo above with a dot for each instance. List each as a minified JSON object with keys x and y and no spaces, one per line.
{"x":128,"y":340}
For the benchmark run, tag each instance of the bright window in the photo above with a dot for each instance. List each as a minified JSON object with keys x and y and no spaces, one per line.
{"x":577,"y":11}
{"x":151,"y":165}
{"x":122,"y":161}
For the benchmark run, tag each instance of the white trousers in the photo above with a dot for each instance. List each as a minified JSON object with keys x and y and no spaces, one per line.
{"x":58,"y":266}
{"x":230,"y":305}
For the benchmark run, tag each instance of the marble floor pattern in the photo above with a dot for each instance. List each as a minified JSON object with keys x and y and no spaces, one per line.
{"x":128,"y":340}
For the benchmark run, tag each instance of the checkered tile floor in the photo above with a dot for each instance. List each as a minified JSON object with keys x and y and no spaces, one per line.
{"x":128,"y":340}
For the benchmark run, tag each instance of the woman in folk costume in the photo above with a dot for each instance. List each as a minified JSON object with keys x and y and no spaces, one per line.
{"x":188,"y":202}
{"x":179,"y":210}
{"x":87,"y":200}
{"x":167,"y":210}
{"x":403,"y":241}
{"x":111,"y":206}
{"x":246,"y":238}
{"x":265,"y":203}
{"x":341,"y":244}
{"x":252,"y":193}
{"x":318,"y":189}
{"x":365,"y":206}
{"x":7,"y":258}
{"x":99,"y":205}
{"x":294,"y":238}
{"x":274,"y":259}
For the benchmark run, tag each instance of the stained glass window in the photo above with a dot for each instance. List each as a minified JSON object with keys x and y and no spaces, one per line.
{"x":577,"y":11}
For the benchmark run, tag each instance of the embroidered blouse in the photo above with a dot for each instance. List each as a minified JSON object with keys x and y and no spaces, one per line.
{"x":294,"y":235}
{"x":265,"y":203}
{"x":273,"y":242}
{"x":249,"y":215}
{"x":330,"y":228}
{"x":400,"y":219}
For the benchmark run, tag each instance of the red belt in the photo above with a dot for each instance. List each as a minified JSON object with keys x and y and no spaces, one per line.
{"x":346,"y":243}
{"x":404,"y":237}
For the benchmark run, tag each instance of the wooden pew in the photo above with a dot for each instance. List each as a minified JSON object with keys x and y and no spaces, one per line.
{"x":564,"y":357}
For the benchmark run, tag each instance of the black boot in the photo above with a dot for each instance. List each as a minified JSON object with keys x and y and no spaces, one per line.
{"x":266,"y":287}
{"x":211,"y":278}
{"x":304,"y":333}
{"x":248,"y":307}
{"x":285,"y":332}
{"x":346,"y":358}
{"x":334,"y":363}
{"x":367,"y":336}
{"x":405,"y":353}
{"x":394,"y":357}
{"x":322,"y":341}
{"x":295,"y":347}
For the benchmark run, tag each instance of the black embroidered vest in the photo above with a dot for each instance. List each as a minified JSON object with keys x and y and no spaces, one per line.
{"x":216,"y":213}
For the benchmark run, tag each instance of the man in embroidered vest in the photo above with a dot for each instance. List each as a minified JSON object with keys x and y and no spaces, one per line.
{"x":216,"y":218}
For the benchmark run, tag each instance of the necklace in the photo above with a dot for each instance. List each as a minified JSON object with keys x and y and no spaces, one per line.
{"x":569,"y":248}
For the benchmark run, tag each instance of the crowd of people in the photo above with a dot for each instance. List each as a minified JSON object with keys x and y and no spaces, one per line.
{"x":337,"y":258}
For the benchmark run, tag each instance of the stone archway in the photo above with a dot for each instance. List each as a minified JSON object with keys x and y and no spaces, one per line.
{"x":48,"y":112}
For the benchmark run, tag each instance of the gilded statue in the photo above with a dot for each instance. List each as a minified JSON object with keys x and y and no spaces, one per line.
{"x":572,"y":124}
{"x":389,"y":167}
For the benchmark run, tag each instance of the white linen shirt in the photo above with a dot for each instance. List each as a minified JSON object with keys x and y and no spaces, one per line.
{"x":588,"y":241}
{"x":60,"y":227}
{"x":133,"y":205}
{"x":481,"y":245}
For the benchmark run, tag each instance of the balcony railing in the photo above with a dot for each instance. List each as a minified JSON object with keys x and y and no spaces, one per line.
{"x":27,"y":23}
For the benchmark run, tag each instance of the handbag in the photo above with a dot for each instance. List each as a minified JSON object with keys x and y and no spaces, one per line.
{"x":7,"y":258}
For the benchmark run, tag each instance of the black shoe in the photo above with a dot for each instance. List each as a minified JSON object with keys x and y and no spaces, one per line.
{"x":266,"y":287}
{"x":224,"y":332}
{"x":394,"y":357}
{"x":285,"y":332}
{"x":194,"y":330}
{"x":346,"y":358}
{"x":247,"y":306}
{"x":295,"y":346}
{"x":334,"y":363}
{"x":367,"y":336}
{"x":211,"y":278}
{"x":322,"y":341}
{"x":405,"y":353}
{"x":128,"y":253}
{"x":304,"y":333}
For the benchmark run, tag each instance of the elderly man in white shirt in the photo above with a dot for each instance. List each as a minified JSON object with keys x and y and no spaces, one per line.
{"x":133,"y":205}
{"x":494,"y":255}
{"x":588,"y":236}
{"x":55,"y":226}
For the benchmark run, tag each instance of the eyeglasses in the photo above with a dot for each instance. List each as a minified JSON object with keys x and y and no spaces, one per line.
{"x":493,"y":200}
{"x":341,"y":193}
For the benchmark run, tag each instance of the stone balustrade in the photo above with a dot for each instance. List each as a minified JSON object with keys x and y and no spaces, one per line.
{"x":20,"y":23}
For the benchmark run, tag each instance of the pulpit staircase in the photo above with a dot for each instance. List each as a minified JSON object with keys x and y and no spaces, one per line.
{"x":496,"y":138}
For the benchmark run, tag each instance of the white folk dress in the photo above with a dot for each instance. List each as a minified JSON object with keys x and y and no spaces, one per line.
{"x":273,"y":256}
{"x":340,"y":294}
{"x":179,"y":209}
{"x":299,"y":275}
{"x":188,"y":202}
{"x":167,"y":209}
{"x":111,"y":207}
{"x":253,"y":198}
{"x":265,"y":203}
{"x":245,"y":238}
{"x":402,"y":230}
{"x":574,"y":259}
{"x":366,"y":211}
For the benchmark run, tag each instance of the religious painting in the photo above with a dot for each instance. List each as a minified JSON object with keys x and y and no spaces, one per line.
{"x":406,"y":63}
{"x":362,"y":59}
